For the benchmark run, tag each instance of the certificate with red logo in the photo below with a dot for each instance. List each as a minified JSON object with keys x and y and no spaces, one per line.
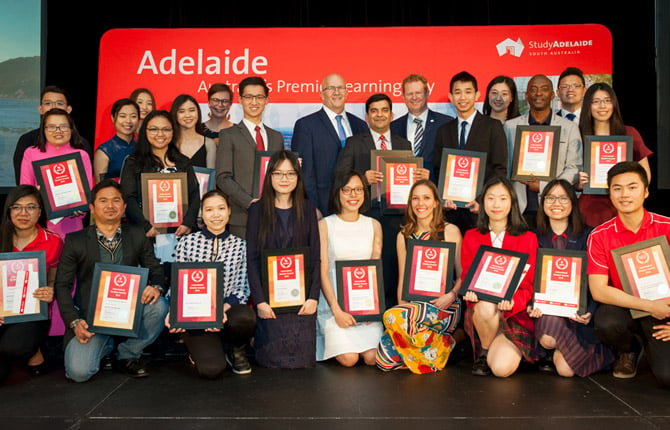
{"x":21,"y":273}
{"x":164,"y":199}
{"x":63,"y":184}
{"x":360,"y":288}
{"x":536,"y":152}
{"x":494,"y":274}
{"x":461,"y":175}
{"x":398,"y":180}
{"x":429,"y":268}
{"x":285,"y":275}
{"x":600,"y":154}
{"x":643,"y":270}
{"x":115,"y":307}
{"x":560,"y":282}
{"x":197,"y":300}
{"x":376,"y":157}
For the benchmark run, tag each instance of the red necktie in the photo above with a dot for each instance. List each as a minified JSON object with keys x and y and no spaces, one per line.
{"x":384,"y":147}
{"x":259,"y":140}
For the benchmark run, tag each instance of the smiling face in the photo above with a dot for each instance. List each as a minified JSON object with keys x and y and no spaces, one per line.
{"x":253,"y":102}
{"x":126,"y":121}
{"x":53,"y":100}
{"x":463,"y":95}
{"x":627,"y":193}
{"x":284,"y":178}
{"x":219,"y":104}
{"x":215,"y":214}
{"x":352,"y":195}
{"x":57,"y":130}
{"x":334,"y":93}
{"x":423,"y":203}
{"x":415,"y":96}
{"x":25,"y":213}
{"x":146,"y":104}
{"x":500,"y":97}
{"x":108,"y":206}
{"x":187,"y":115}
{"x":571,"y":92}
{"x":159,"y":133}
{"x":379,"y":116}
{"x":557,"y":204}
{"x":539,"y":93}
{"x":602,"y":106}
{"x":497,"y":203}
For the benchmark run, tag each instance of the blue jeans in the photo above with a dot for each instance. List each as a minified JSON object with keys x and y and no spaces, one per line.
{"x":82,"y":360}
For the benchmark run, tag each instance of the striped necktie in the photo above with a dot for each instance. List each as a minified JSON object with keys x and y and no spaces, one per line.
{"x":418,"y":136}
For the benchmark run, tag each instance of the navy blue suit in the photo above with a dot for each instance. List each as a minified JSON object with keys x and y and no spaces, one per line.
{"x":433,"y":122}
{"x":318,"y":144}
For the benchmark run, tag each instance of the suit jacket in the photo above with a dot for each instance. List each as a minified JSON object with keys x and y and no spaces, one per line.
{"x":356,"y":153}
{"x":235,"y":157}
{"x":486,"y":135}
{"x":570,"y":158}
{"x":80,"y":253}
{"x":434,"y":121}
{"x":318,"y":144}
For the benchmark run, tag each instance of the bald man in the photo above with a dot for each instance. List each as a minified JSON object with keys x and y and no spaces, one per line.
{"x":319,"y":137}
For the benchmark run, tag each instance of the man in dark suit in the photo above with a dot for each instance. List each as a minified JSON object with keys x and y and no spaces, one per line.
{"x":356,"y":156}
{"x":420,"y":124}
{"x":237,"y":148}
{"x":319,"y":137}
{"x":471,"y":131}
{"x":107,"y":241}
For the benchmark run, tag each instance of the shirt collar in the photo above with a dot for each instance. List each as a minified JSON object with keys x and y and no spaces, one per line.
{"x":532,"y":121}
{"x":101,"y":236}
{"x":647,"y":220}
{"x":332,"y":115}
{"x":423,"y":117}
{"x":209,"y":235}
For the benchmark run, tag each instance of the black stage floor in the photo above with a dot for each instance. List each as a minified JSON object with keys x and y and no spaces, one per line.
{"x":332,"y":397}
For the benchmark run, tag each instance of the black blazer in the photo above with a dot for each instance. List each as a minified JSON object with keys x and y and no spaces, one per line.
{"x":80,"y":253}
{"x":356,"y":153}
{"x":486,"y":135}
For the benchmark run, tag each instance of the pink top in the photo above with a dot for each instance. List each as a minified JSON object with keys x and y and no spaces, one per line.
{"x":67,"y":224}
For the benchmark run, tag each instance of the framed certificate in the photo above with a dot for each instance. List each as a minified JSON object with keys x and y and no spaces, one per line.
{"x":164,"y":199}
{"x":600,"y":154}
{"x":643,"y":270}
{"x":260,"y":170}
{"x":205,"y":178}
{"x":429,"y":268}
{"x":115,"y":308}
{"x":21,"y":273}
{"x":63,"y":184}
{"x":376,"y":155}
{"x":560,"y":282}
{"x":494,"y":274}
{"x":461,"y":175}
{"x":286,"y":278}
{"x":360,"y":288}
{"x":536,"y":152}
{"x":398,"y":179}
{"x":196,"y":298}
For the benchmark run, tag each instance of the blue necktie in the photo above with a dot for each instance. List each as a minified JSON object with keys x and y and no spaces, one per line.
{"x":340,"y":130}
{"x":418,"y":137}
{"x":571,"y":116}
{"x":461,"y":143}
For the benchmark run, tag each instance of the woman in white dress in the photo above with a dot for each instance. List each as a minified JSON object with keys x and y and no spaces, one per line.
{"x":346,"y":235}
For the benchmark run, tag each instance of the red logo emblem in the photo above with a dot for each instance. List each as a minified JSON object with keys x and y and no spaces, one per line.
{"x":59,"y":168}
{"x":500,"y":259}
{"x":401,"y":169}
{"x":463,"y":162}
{"x":120,"y":280}
{"x":197,"y":276}
{"x":642,"y":257}
{"x":562,"y":263}
{"x":359,"y":273}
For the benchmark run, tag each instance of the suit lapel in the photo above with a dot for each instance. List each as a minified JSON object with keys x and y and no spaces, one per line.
{"x":92,"y":247}
{"x":245,"y":132}
{"x":325,"y":121}
{"x":474,"y":128}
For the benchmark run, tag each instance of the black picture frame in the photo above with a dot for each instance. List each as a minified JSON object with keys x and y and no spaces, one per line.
{"x":6,"y":259}
{"x":591,"y":187}
{"x":266,"y":255}
{"x":376,"y":155}
{"x":541,"y":270}
{"x":51,"y":210}
{"x":177,"y":319}
{"x":517,"y":173}
{"x":448,"y":155}
{"x":361,"y":316}
{"x":510,"y":286}
{"x":408,"y":291}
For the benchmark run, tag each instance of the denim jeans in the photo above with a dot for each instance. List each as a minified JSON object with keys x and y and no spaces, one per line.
{"x":82,"y":360}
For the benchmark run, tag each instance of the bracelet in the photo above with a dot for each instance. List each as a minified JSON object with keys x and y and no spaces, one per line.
{"x":75,"y":323}
{"x":159,"y":288}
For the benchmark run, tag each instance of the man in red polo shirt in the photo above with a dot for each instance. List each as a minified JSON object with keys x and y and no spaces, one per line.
{"x":628,"y":188}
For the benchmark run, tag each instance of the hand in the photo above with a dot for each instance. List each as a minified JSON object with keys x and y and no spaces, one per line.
{"x":660,"y":309}
{"x":308,"y":308}
{"x":533,"y":184}
{"x":343,"y":319}
{"x":44,"y":294}
{"x":170,"y":329}
{"x":2,"y":320}
{"x":150,"y":295}
{"x":662,"y":332}
{"x":374,"y":176}
{"x":450,"y":205}
{"x":152,"y":232}
{"x":182,"y":230}
{"x":76,"y":214}
{"x":226,"y":306}
{"x":445,"y":300}
{"x":474,"y":206}
{"x":421,"y":173}
{"x":583,"y":179}
{"x":470,"y":296}
{"x":265,"y":311}
{"x":252,"y":202}
{"x":534,"y":313}
{"x":82,"y":333}
{"x":582,"y":319}
{"x":506,"y":305}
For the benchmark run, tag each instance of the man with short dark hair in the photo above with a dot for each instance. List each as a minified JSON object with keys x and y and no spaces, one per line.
{"x":319,"y":137}
{"x":571,"y":90}
{"x":628,"y":188}
{"x":51,"y":97}
{"x":113,"y":242}
{"x":237,"y":148}
{"x":420,"y":124}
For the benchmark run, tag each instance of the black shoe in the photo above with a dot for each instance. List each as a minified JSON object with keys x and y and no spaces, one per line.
{"x":480,"y":367}
{"x":237,"y":360}
{"x":38,"y":369}
{"x":546,"y":363}
{"x":134,"y":368}
{"x":106,"y":363}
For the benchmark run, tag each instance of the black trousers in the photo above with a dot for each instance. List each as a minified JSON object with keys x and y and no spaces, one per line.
{"x":390,"y":227}
{"x":19,"y":342}
{"x":615,"y":327}
{"x":207,"y":348}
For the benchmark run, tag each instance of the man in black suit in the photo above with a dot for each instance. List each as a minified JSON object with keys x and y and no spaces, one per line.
{"x":319,"y":137}
{"x":471,"y":131}
{"x":107,"y":241}
{"x":356,"y":156}
{"x":420,"y":124}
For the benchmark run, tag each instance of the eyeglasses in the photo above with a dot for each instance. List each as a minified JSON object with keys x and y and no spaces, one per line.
{"x":155,"y":130}
{"x":51,"y":127}
{"x":31,"y":209}
{"x":216,"y":101}
{"x":598,"y":102}
{"x":333,"y":89}
{"x":553,"y":199}
{"x":570,"y":86}
{"x":50,"y":104}
{"x":280,"y":175}
{"x":258,"y":97}
{"x":348,"y":190}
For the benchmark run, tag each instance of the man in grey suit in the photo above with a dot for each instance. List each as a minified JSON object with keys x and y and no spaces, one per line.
{"x":539,"y":95}
{"x":237,"y":148}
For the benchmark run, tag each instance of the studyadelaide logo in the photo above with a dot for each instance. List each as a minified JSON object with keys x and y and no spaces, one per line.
{"x":541,"y":48}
